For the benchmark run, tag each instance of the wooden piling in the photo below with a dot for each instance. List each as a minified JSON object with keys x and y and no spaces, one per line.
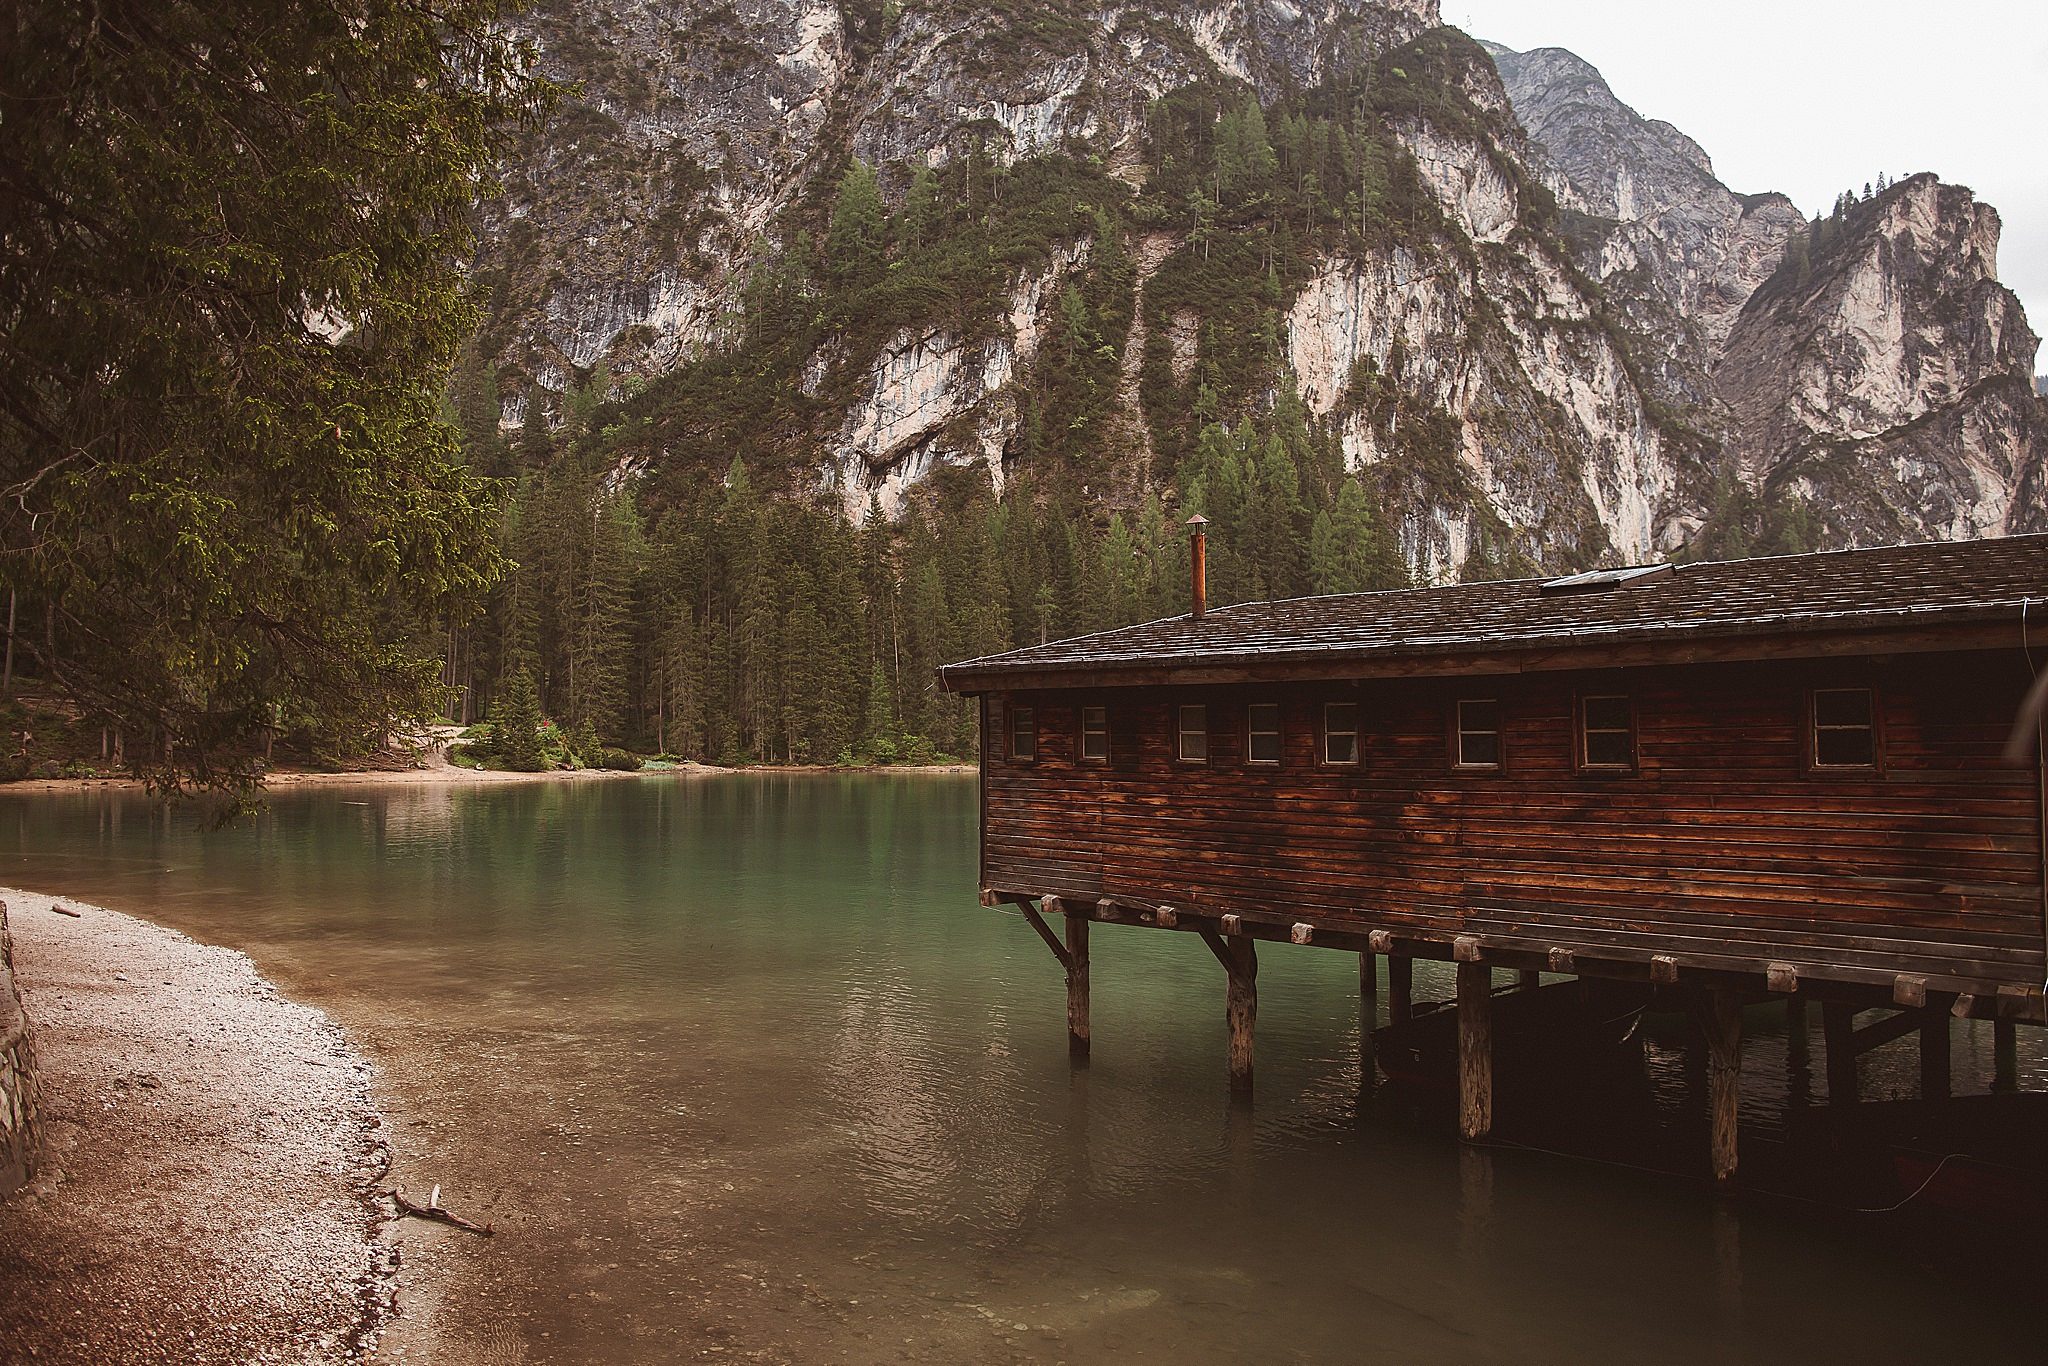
{"x":1528,"y":979}
{"x":1242,"y":1007}
{"x":1368,"y":1016}
{"x":1724,"y":1077}
{"x":2005,"y":1056}
{"x":1400,"y":989}
{"x":1077,"y":984}
{"x":1934,"y":1069}
{"x":1475,"y":1050}
{"x":1838,"y":1029}
{"x":1795,"y":1031}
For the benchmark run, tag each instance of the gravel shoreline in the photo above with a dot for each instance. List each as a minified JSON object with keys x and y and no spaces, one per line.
{"x":212,"y":1157}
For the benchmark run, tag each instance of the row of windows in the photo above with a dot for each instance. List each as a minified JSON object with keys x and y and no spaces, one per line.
{"x":1843,"y":729}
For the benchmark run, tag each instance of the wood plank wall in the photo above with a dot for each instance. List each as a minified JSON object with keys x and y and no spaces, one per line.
{"x":1724,"y":837}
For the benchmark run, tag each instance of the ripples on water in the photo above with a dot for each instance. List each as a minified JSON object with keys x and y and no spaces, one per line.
{"x":741,"y":1067}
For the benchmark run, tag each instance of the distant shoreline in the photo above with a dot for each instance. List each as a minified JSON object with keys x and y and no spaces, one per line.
{"x":445,"y":774}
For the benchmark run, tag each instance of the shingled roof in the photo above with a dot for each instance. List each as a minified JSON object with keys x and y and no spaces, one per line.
{"x":1952,"y":593}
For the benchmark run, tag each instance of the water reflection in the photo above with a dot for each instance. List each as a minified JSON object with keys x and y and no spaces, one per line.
{"x":741,"y":1068}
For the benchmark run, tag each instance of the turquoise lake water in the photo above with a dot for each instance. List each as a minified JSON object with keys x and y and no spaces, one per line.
{"x":742,"y":1072}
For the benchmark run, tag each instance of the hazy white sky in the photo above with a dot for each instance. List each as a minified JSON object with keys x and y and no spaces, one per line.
{"x":1812,"y":97}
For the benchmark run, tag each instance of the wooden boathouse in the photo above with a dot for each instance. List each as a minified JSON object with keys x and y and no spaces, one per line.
{"x":1815,"y":777}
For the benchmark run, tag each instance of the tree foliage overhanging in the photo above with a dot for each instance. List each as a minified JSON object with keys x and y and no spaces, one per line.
{"x":230,"y":236}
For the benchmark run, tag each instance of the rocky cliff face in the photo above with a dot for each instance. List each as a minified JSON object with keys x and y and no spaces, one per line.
{"x":1887,"y":384}
{"x":1881,"y":384}
{"x":1537,"y":324}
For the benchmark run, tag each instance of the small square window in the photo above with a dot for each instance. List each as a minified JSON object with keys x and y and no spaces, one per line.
{"x":1340,"y":732}
{"x":1095,"y":733}
{"x":1478,"y":739}
{"x":1607,"y":737}
{"x":1262,"y":732}
{"x":1023,"y":733}
{"x":1844,"y":728}
{"x":1193,"y":744}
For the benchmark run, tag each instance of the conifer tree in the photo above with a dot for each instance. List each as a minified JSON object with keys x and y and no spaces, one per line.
{"x":859,"y":231}
{"x":515,"y":724}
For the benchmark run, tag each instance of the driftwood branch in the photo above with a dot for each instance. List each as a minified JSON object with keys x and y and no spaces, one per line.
{"x":66,"y":910}
{"x":432,"y":1210}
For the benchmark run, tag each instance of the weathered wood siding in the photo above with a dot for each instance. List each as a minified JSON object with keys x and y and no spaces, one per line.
{"x":1723,"y":842}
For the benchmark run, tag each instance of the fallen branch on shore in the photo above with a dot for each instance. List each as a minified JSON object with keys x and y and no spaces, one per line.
{"x":432,"y":1210}
{"x":66,"y":910}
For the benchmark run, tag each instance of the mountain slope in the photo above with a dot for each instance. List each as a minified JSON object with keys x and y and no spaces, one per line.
{"x":1525,"y":321}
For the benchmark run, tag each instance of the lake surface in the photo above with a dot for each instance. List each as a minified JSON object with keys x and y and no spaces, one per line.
{"x":741,"y":1071}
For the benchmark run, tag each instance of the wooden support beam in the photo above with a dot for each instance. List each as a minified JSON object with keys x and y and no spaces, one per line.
{"x":1301,"y":932}
{"x":1465,"y":949}
{"x":1528,"y":979}
{"x":1368,"y":979}
{"x":1052,"y":941}
{"x":1781,"y":977}
{"x":1475,"y":1050}
{"x":1934,"y":1051}
{"x":1884,"y":1031}
{"x":2005,"y":1056}
{"x":1724,"y":1077}
{"x":1380,"y":941}
{"x":1909,"y":989}
{"x":1838,"y":1026}
{"x":1664,"y":970}
{"x":1400,"y":989}
{"x":1795,"y":1031}
{"x":1077,"y":984}
{"x":1241,"y":1005}
{"x":1217,"y":947}
{"x":1105,"y":909}
{"x":1233,"y":924}
{"x":1562,"y":960}
{"x":1166,"y":918}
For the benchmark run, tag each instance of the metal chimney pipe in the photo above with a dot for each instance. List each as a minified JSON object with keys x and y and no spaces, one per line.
{"x":1198,"y":565}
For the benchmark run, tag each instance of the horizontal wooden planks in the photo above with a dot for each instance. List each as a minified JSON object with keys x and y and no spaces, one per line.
{"x":1722,"y":835}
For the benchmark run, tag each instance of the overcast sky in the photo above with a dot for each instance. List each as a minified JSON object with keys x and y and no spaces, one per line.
{"x":1812,"y":97}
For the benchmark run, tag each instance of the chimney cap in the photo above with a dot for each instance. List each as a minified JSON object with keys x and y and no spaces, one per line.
{"x":1198,"y":520}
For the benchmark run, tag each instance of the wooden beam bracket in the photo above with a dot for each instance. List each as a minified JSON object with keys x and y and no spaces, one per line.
{"x":1465,"y":948}
{"x":1302,"y":932}
{"x":1052,"y":941}
{"x":1781,"y":977}
{"x":1219,"y":948}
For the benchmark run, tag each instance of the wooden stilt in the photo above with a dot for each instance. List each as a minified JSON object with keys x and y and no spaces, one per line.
{"x":1475,"y":1201}
{"x":1475,"y":1050}
{"x":1368,"y":1016}
{"x":2005,"y":1056}
{"x":1724,"y":1077}
{"x":1934,"y":1078}
{"x":1242,"y":1006}
{"x":1838,"y":1028}
{"x":1400,"y":989}
{"x":1077,"y":984}
{"x":1795,"y":1032}
{"x":1528,"y":979}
